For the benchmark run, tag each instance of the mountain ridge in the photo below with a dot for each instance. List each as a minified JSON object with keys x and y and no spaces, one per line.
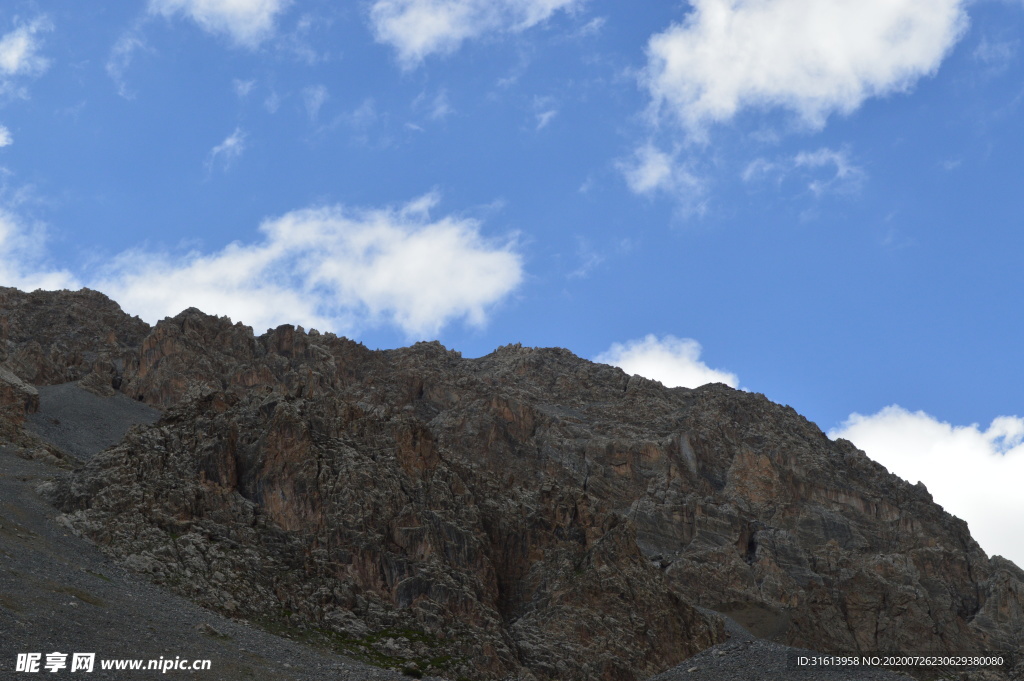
{"x":526,"y":514}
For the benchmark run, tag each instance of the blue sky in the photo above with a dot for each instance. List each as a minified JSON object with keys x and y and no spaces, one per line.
{"x":814,"y":199}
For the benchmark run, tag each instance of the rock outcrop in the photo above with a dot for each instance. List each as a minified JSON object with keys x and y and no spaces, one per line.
{"x":17,"y":399}
{"x":527,"y":514}
{"x":48,"y":338}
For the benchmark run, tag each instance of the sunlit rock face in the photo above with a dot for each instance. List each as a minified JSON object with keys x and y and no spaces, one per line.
{"x":527,"y":513}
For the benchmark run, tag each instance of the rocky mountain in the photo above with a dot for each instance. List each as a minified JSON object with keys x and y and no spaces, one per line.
{"x":523,"y":515}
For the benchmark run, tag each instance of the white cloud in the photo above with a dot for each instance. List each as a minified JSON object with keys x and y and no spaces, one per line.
{"x":974,"y":473}
{"x":673,"y":361}
{"x":19,"y":54}
{"x":227,"y":151}
{"x":313,"y":97}
{"x":5,"y":136}
{"x":813,"y":57}
{"x":246,"y":22}
{"x":19,"y":50}
{"x":418,"y":28}
{"x":331,"y":268}
{"x":652,"y":170}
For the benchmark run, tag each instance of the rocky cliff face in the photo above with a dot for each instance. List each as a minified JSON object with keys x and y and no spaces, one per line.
{"x":527,"y":514}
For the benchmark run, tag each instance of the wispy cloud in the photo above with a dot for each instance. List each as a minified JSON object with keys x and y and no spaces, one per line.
{"x":246,"y":22}
{"x":673,"y":361}
{"x":974,"y":472}
{"x":227,"y":151}
{"x":23,"y":242}
{"x":589,"y":259}
{"x":436,"y":107}
{"x":242,"y":88}
{"x":847,"y":177}
{"x":824,"y":170}
{"x":544,"y":111}
{"x":417,"y":29}
{"x":591,"y":28}
{"x":441,"y":107}
{"x":272,"y":103}
{"x":545,"y":117}
{"x":995,"y":55}
{"x":362,"y":121}
{"x":5,"y":136}
{"x":21,"y":264}
{"x":120,"y":59}
{"x":760,"y":168}
{"x":299,"y":42}
{"x":313,"y":98}
{"x":812,"y":58}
